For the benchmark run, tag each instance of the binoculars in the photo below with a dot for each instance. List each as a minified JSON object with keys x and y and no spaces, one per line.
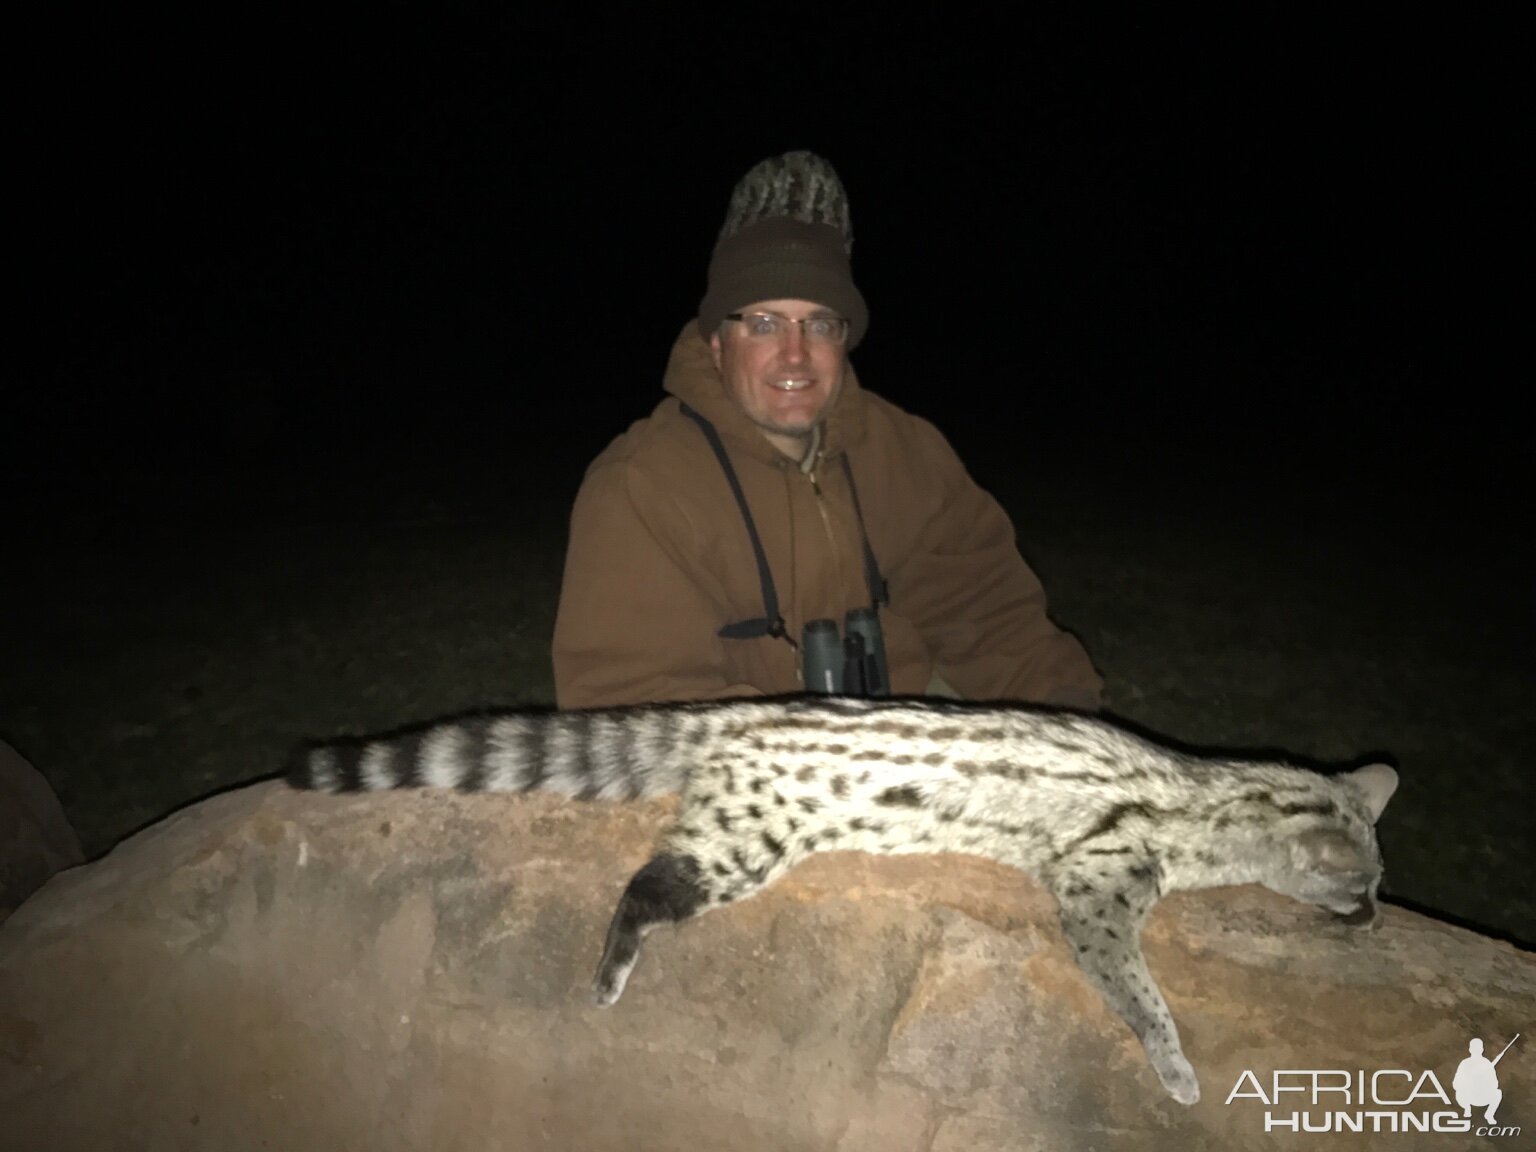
{"x":851,"y":665}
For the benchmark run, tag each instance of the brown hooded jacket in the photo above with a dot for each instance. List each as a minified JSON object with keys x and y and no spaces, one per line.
{"x":660,"y":559}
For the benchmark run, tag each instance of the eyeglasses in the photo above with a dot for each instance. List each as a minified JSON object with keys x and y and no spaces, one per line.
{"x":766,"y":326}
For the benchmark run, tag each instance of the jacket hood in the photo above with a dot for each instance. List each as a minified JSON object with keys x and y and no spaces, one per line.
{"x":693,"y":378}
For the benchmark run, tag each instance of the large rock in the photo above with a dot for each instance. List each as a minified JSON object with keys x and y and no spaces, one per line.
{"x":411,"y":971}
{"x":35,"y":839}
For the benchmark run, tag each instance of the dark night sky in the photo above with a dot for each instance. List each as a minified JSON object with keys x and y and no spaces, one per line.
{"x":1179,"y":248}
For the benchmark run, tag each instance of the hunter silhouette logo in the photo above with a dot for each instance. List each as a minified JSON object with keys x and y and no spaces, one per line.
{"x":1477,"y":1084}
{"x":1386,"y":1100}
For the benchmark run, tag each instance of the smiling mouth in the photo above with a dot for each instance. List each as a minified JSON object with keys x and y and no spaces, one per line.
{"x":790,"y":385}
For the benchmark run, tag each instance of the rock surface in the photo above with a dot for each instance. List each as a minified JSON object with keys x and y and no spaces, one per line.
{"x":35,"y":839}
{"x":290,"y":971}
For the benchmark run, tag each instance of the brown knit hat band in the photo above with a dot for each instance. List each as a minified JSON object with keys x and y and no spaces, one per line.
{"x":782,"y":259}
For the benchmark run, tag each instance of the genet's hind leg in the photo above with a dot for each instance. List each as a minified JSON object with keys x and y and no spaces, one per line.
{"x":666,"y":890}
{"x":693,"y":872}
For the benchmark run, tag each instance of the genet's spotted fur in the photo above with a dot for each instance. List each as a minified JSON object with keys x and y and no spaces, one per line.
{"x":1109,"y":821}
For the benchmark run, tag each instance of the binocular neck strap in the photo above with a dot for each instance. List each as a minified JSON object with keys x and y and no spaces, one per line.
{"x":771,"y":623}
{"x":878,"y":592}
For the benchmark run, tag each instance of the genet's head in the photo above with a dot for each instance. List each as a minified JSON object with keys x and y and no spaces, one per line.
{"x":781,"y":311}
{"x":1331,"y":858}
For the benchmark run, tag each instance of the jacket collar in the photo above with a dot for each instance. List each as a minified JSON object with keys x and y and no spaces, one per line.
{"x":692,"y":377}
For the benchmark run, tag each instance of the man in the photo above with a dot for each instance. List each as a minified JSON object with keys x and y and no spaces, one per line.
{"x":1477,"y":1082}
{"x":678,"y":588}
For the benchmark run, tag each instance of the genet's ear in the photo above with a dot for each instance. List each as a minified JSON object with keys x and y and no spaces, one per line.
{"x":1376,"y":783}
{"x":1324,"y":850}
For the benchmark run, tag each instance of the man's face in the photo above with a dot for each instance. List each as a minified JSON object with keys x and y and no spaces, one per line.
{"x":784,"y":384}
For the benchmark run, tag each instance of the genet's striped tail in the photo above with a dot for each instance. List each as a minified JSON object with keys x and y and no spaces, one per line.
{"x":615,"y":754}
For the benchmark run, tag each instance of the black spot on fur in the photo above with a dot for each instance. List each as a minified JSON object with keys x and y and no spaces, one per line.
{"x":1115,"y":817}
{"x":404,"y":761}
{"x":1316,"y":808}
{"x":755,"y":874}
{"x":773,"y":846}
{"x":722,"y":819}
{"x":840,"y":787}
{"x":809,"y":805}
{"x":578,"y":727}
{"x":472,"y":753}
{"x":347,"y":764}
{"x":754,"y":811}
{"x":535,"y":750}
{"x":904,"y":796}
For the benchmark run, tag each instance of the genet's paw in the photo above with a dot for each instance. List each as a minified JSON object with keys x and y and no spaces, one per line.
{"x":1178,"y":1076}
{"x":608,"y":984}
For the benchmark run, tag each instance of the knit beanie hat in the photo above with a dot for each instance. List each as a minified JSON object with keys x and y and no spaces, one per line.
{"x":787,"y":236}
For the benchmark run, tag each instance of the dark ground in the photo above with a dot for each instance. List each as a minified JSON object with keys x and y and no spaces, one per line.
{"x":154,"y":659}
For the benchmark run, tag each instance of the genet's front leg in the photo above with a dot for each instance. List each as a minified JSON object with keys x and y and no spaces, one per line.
{"x":1101,"y":914}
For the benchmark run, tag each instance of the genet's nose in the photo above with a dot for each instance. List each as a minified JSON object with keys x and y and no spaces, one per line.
{"x":1364,"y":913}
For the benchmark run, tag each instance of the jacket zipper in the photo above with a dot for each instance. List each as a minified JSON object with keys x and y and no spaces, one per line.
{"x":826,"y":526}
